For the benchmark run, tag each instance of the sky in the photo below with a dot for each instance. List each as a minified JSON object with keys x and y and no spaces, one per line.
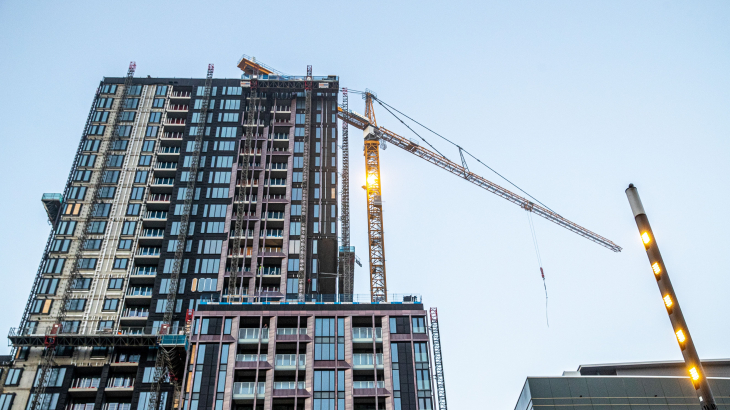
{"x":570,"y":100}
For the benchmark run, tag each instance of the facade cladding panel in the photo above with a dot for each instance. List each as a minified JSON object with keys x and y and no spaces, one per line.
{"x":658,"y":385}
{"x":119,"y":292}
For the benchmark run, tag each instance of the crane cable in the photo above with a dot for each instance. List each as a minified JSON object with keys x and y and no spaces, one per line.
{"x":539,"y":262}
{"x":385,"y":105}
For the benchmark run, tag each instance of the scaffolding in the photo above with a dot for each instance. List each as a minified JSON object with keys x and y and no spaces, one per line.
{"x":437,"y":359}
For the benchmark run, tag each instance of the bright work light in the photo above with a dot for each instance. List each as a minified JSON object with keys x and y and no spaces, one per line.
{"x":645,"y":237}
{"x":680,"y":336}
{"x":695,"y":374}
{"x":656,"y":268}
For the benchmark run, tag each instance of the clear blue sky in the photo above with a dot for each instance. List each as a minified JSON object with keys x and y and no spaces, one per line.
{"x":571,"y":100}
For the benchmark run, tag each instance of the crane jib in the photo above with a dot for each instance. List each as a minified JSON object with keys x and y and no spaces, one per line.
{"x":384,"y":134}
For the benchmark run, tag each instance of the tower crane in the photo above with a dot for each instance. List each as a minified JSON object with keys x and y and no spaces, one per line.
{"x":374,"y":136}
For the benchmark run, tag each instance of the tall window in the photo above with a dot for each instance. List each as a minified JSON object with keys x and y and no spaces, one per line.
{"x":324,"y":339}
{"x":324,"y":390}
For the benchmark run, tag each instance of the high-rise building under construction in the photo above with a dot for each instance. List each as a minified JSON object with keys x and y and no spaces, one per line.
{"x":193,"y":262}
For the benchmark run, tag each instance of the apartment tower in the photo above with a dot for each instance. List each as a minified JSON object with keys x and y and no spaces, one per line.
{"x":163,"y":155}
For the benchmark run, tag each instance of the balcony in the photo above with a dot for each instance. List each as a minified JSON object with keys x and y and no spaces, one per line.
{"x":368,"y":385}
{"x":273,"y":216}
{"x":123,"y":359}
{"x":366,"y":335}
{"x":163,"y":181}
{"x":172,"y":136}
{"x":276,"y":166}
{"x":119,"y":386}
{"x":138,"y":292}
{"x":279,"y":136}
{"x":247,"y":390}
{"x":177,"y":107}
{"x":156,"y":215}
{"x":251,"y":358}
{"x":276,"y":182}
{"x":148,"y":251}
{"x":153,"y":233}
{"x":252,"y":335}
{"x":180,"y":94}
{"x":291,"y":334}
{"x":290,"y":361}
{"x":166,"y":166}
{"x":367,"y":361}
{"x":271,"y":271}
{"x":289,"y":385}
{"x":135,"y":314}
{"x":84,"y":387}
{"x":256,"y":151}
{"x":158,"y":198}
{"x":175,"y":122}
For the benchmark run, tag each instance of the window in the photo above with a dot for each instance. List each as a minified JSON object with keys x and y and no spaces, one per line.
{"x":92,"y":244}
{"x":299,"y":147}
{"x":161,"y":90}
{"x":170,"y":264}
{"x":104,"y":102}
{"x":296,"y":194}
{"x":155,"y":117}
{"x":54,"y":265}
{"x":140,"y":177}
{"x":137,"y":194}
{"x":296,"y":177}
{"x":131,"y":103}
{"x":207,"y":265}
{"x":115,"y":283}
{"x":87,"y":160}
{"x":341,"y":340}
{"x":295,"y":228}
{"x":6,"y":401}
{"x":293,"y":265}
{"x":133,"y":209}
{"x":110,"y":304}
{"x":115,"y":161}
{"x":77,"y":192}
{"x":158,"y":103}
{"x":107,"y":192}
{"x":300,"y":118}
{"x":127,"y":116}
{"x":47,"y":286}
{"x":109,"y":89}
{"x":41,"y":306}
{"x":296,"y":210}
{"x":110,"y":177}
{"x":399,"y":324}
{"x":96,"y":227}
{"x":224,"y":161}
{"x":230,"y":90}
{"x":419,"y":325}
{"x":421,"y":352}
{"x":220,"y":177}
{"x":217,"y":193}
{"x":211,"y":246}
{"x":120,"y":263}
{"x":83,"y":176}
{"x":97,"y":130}
{"x":145,"y":161}
{"x":148,"y":146}
{"x":125,"y":244}
{"x":70,"y":326}
{"x":48,"y":401}
{"x":60,"y":245}
{"x":75,"y":305}
{"x":151,"y":131}
{"x":120,"y":145}
{"x":204,"y":285}
{"x":72,"y":209}
{"x":124,"y":130}
{"x":324,"y":340}
{"x":66,"y":228}
{"x":298,"y":162}
{"x":105,"y":324}
{"x":225,"y":132}
{"x":166,"y":283}
{"x":81,"y":284}
{"x":13,"y":378}
{"x":101,"y":210}
{"x":213,"y":227}
{"x":87,"y":263}
{"x":324,"y":389}
{"x":135,"y":89}
{"x":228,"y":117}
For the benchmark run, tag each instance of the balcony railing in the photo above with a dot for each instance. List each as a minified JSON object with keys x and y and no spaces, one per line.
{"x":366,"y":333}
{"x":147,"y":251}
{"x":164,"y":181}
{"x":139,"y":291}
{"x":249,"y":388}
{"x":366,"y":359}
{"x":290,"y":360}
{"x":174,"y":135}
{"x":123,"y":382}
{"x":180,"y":94}
{"x":269,"y":249}
{"x":137,"y":312}
{"x":168,"y":150}
{"x":252,"y":151}
{"x":175,"y":121}
{"x":271,"y":270}
{"x":177,"y":107}
{"x":159,"y":197}
{"x":145,"y":271}
{"x":85,"y":383}
{"x":291,"y":331}
{"x":276,"y":182}
{"x":277,"y":165}
{"x":117,"y":406}
{"x":166,"y":165}
{"x":253,"y":334}
{"x":274,"y":215}
{"x":289,"y":386}
{"x":155,"y":215}
{"x":251,"y":357}
{"x":368,"y":385}
{"x":153,"y":233}
{"x":125,"y":358}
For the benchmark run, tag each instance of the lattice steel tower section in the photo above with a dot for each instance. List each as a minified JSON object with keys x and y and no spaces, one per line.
{"x":347,"y":271}
{"x":437,"y":360}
